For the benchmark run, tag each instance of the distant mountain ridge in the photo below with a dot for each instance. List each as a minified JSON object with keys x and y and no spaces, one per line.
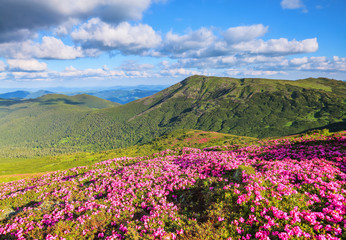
{"x":246,"y":107}
{"x":120,"y":95}
{"x":24,"y":94}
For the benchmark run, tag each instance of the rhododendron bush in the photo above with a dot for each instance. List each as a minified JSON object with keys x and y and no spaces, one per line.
{"x":284,"y":189}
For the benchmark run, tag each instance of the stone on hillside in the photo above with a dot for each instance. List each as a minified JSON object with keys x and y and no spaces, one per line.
{"x":6,"y":212}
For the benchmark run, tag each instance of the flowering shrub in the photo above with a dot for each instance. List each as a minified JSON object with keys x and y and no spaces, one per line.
{"x":285,"y":189}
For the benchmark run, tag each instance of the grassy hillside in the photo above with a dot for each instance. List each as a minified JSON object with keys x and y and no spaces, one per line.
{"x":284,"y":189}
{"x":18,"y":168}
{"x":250,"y":107}
{"x":36,"y":126}
{"x":247,"y":107}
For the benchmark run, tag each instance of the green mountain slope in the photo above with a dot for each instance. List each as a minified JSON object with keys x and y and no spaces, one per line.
{"x":251,"y":107}
{"x":26,"y":125}
{"x":248,"y":107}
{"x":176,"y":140}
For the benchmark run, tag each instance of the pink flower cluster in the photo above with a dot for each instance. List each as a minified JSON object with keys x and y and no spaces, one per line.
{"x":297,"y":190}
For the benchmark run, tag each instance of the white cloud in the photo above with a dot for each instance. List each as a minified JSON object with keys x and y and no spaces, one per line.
{"x":2,"y":66}
{"x":312,"y":64}
{"x":244,"y":33}
{"x":299,"y":61}
{"x":339,"y":63}
{"x":20,"y":18}
{"x":134,"y":66}
{"x":26,"y":65}
{"x":90,"y":73}
{"x":323,"y":64}
{"x":66,"y":27}
{"x":31,"y":76}
{"x":261,"y":65}
{"x":49,"y":48}
{"x":292,"y":4}
{"x":123,"y":37}
{"x":3,"y":75}
{"x":174,"y":72}
{"x":242,"y":40}
{"x":53,"y":48}
{"x":251,"y":72}
{"x":206,"y":63}
{"x":318,"y":59}
{"x":280,"y":46}
{"x":220,"y":62}
{"x":194,"y":40}
{"x":17,"y":35}
{"x":104,"y":73}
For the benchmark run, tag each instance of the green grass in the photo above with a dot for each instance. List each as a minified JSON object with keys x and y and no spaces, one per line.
{"x":19,"y":168}
{"x":16,"y":168}
{"x":288,"y":124}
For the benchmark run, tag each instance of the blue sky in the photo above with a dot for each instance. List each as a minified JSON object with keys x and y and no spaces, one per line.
{"x":86,"y":43}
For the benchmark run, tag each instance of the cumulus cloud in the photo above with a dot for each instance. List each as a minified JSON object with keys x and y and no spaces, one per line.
{"x":90,"y":72}
{"x":20,"y":18}
{"x":244,"y":33}
{"x":102,"y":73}
{"x":292,"y":4}
{"x":14,"y":36}
{"x":66,"y":27}
{"x":308,"y":64}
{"x":49,"y":48}
{"x":280,"y":46}
{"x":226,"y":62}
{"x":251,"y":72}
{"x":339,"y":63}
{"x":55,"y":49}
{"x":175,"y":72}
{"x":30,"y":76}
{"x":336,"y":64}
{"x":124,"y":37}
{"x":194,"y":40}
{"x":26,"y":65}
{"x":299,"y":61}
{"x":242,"y":40}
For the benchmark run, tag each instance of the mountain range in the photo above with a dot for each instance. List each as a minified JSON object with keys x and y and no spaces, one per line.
{"x":120,"y":94}
{"x":24,"y":94}
{"x":248,"y":107}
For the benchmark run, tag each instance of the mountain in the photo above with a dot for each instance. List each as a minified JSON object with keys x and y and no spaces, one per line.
{"x":120,"y":94}
{"x":26,"y":124}
{"x":16,"y":94}
{"x":24,"y":94}
{"x":39,"y":93}
{"x":123,"y":96}
{"x":249,"y":107}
